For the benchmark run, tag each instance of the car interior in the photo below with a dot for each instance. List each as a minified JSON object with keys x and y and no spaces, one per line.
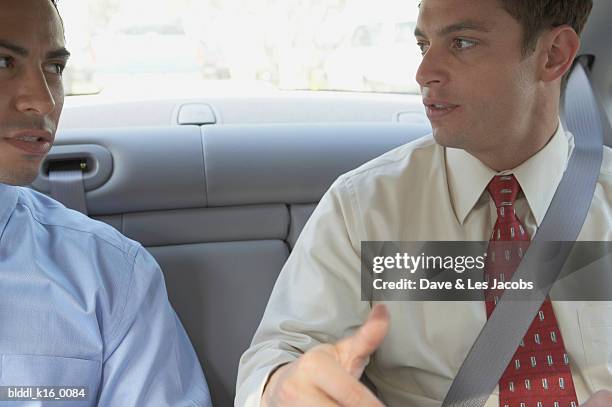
{"x":218,"y":187}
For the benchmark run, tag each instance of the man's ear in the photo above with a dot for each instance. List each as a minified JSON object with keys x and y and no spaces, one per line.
{"x":557,"y":48}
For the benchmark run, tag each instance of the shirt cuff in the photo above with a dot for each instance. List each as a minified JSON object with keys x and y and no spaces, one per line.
{"x":254,"y":399}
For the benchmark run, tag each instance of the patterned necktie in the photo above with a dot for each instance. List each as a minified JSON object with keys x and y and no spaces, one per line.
{"x":539,"y":373}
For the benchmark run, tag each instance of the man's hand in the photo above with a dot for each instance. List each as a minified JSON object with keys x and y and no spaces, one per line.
{"x":328,"y":375}
{"x":602,"y":398}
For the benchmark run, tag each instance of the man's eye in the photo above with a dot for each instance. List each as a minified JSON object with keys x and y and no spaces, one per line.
{"x":55,"y":68}
{"x":423,"y":47}
{"x":462,"y":43}
{"x":6,"y":62}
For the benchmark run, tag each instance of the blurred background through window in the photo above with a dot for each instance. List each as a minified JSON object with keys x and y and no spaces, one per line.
{"x":166,"y":47}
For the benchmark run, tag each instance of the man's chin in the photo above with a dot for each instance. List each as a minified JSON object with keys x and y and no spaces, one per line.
{"x":18,"y":177}
{"x":446,"y":138}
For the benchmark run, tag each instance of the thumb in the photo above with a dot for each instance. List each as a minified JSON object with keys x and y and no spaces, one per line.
{"x":355,"y":350}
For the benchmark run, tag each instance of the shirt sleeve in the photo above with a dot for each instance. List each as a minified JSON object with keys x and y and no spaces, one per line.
{"x":148,"y":359}
{"x":316,"y":299}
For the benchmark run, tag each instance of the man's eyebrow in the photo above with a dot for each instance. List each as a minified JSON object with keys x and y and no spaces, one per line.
{"x":58,"y":53}
{"x":19,"y":50}
{"x":13,"y":47}
{"x":463,"y":25}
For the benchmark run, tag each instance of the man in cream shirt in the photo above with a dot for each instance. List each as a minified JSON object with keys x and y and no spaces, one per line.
{"x":490,"y":77}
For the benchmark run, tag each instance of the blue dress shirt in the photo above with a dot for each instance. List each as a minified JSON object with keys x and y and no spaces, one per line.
{"x":83,"y":306}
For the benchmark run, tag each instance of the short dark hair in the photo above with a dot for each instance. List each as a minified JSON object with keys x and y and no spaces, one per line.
{"x":536,"y":16}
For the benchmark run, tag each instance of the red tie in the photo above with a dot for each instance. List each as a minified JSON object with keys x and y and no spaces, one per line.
{"x":539,"y":373}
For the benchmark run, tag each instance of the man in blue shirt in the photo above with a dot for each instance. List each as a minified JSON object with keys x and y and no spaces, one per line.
{"x":81,"y":306}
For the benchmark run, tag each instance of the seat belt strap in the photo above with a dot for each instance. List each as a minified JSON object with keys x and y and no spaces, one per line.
{"x":67,"y":187}
{"x":502,"y":333}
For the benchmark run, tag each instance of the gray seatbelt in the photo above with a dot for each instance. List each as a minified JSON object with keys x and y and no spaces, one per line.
{"x":501,"y":335}
{"x":67,"y":187}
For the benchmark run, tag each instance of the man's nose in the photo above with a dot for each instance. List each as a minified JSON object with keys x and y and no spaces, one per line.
{"x":34,"y":95}
{"x":433,"y":70}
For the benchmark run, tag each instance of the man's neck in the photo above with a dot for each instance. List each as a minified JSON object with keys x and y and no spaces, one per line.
{"x":513,"y":156}
{"x":527,"y":141}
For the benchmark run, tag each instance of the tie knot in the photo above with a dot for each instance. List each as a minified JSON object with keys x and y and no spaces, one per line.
{"x":504,"y":189}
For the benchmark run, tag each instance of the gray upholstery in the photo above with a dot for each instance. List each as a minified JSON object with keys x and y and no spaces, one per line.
{"x":218,"y":289}
{"x":295,"y":164}
{"x":182,"y":226}
{"x":220,"y":207}
{"x":299,"y":216}
{"x":153,"y":168}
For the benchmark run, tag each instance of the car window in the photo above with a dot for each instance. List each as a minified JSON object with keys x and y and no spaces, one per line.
{"x":404,"y":32}
{"x":182,"y":46}
{"x":367,"y":35}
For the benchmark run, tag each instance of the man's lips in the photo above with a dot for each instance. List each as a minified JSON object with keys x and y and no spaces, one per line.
{"x":31,"y":141}
{"x":436,"y":108}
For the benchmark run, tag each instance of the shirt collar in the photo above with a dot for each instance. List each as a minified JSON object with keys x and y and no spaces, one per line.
{"x":539,"y":176}
{"x":8,"y":201}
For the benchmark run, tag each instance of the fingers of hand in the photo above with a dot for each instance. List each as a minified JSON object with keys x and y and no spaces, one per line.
{"x":292,"y":385}
{"x":329,"y":373}
{"x":355,"y":350}
{"x":334,"y":381}
{"x":316,"y":379}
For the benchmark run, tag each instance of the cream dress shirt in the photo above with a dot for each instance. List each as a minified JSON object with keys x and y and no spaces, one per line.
{"x":417,"y":192}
